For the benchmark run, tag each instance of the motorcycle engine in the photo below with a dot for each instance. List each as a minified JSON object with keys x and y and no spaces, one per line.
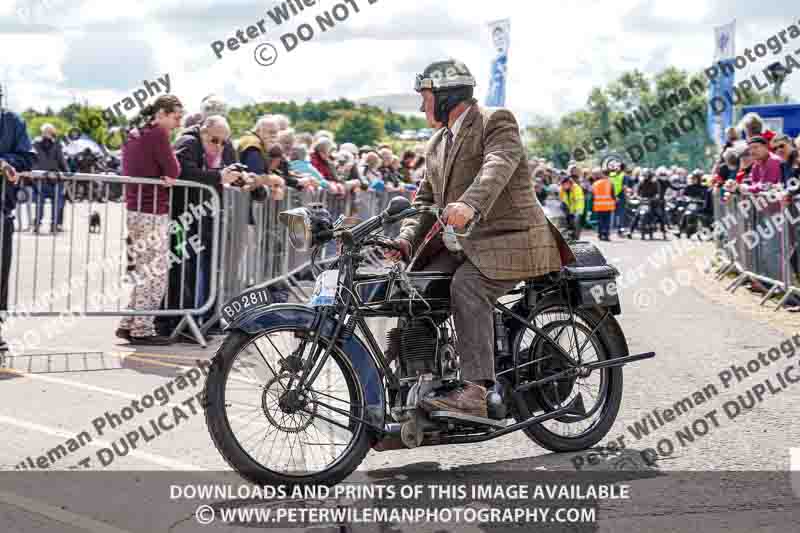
{"x":421,"y":348}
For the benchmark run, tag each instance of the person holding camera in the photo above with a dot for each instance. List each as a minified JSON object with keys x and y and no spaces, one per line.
{"x":254,"y":154}
{"x":206,"y":156}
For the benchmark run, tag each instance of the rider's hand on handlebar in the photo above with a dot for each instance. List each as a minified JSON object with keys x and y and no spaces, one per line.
{"x":458,"y":215}
{"x":404,"y":252}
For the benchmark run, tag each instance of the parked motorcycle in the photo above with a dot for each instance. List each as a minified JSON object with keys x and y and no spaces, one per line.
{"x":301,"y":393}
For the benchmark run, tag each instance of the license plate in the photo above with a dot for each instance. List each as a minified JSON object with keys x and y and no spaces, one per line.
{"x":325,"y":289}
{"x":256,"y":297}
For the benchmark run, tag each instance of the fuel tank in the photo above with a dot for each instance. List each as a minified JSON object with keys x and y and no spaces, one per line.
{"x":386,"y":293}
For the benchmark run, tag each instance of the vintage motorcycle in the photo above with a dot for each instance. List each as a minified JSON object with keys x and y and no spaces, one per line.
{"x":301,"y":393}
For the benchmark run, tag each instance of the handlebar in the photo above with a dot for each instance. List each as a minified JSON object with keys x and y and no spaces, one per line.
{"x":382,"y":243}
{"x":360,"y":232}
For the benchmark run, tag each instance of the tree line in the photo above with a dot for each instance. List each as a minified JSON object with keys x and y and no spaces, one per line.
{"x":350,"y":122}
{"x":609,"y":111}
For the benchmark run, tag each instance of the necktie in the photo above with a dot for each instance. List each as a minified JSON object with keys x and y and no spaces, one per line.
{"x":448,"y":134}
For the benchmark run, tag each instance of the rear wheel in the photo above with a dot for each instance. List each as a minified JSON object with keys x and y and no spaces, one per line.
{"x":601,"y":391}
{"x":271,"y":432}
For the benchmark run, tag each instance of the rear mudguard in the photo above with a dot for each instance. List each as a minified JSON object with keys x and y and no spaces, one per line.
{"x":264,"y":318}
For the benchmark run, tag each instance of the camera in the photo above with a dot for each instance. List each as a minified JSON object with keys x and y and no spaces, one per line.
{"x":238,"y":167}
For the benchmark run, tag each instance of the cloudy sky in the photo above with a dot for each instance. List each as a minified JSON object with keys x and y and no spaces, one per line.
{"x":57,"y":51}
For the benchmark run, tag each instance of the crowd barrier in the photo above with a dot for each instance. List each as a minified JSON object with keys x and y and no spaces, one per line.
{"x":258,"y":251}
{"x":236,"y":243}
{"x":75,"y":263}
{"x":758,"y":235}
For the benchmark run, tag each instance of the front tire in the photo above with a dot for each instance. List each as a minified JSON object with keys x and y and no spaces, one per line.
{"x":269,"y":383}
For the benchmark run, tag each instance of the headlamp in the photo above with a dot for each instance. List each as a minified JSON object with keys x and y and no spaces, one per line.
{"x":306,"y":226}
{"x":298,"y":227}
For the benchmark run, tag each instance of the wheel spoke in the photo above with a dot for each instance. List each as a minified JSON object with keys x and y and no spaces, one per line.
{"x":582,"y":344}
{"x":272,"y":371}
{"x":315,"y":391}
{"x":286,"y":431}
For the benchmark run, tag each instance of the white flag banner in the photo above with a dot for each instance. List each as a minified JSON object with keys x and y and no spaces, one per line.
{"x":725,"y":41}
{"x":500,"y":31}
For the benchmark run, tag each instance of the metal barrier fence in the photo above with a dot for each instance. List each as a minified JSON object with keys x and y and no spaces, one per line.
{"x":757,"y":233}
{"x":85,"y":264}
{"x":219,"y":245}
{"x":256,"y":246}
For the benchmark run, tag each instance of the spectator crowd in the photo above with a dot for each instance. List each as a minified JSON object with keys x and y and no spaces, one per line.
{"x":164,"y":144}
{"x":753,"y":159}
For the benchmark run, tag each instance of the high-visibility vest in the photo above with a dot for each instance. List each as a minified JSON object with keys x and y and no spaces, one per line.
{"x":603,"y":193}
{"x":573,"y":199}
{"x":617,"y":179}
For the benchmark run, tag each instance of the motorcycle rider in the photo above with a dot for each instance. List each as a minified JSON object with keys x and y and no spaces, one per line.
{"x":694,"y":191}
{"x":669,"y":188}
{"x":648,"y":190}
{"x":475,"y":167}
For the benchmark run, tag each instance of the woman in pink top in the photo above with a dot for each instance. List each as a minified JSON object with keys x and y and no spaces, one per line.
{"x":147,"y":153}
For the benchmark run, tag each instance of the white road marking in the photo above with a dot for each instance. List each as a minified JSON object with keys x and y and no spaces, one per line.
{"x":76,"y":384}
{"x":99,"y":443}
{"x":58,"y":514}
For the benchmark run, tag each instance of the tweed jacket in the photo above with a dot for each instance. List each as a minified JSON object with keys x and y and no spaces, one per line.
{"x":487,"y":169}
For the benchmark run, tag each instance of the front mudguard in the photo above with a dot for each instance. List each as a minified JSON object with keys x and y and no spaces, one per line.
{"x":297,"y":315}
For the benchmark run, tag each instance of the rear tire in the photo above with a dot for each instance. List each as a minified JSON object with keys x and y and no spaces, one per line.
{"x":606,"y":341}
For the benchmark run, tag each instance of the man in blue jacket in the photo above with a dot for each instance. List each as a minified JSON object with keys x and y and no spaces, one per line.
{"x":16,"y":155}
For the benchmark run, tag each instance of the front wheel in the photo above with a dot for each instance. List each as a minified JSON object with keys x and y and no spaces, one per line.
{"x":273,"y":433}
{"x":601,"y":390}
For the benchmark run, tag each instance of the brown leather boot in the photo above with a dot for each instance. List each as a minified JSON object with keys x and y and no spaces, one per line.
{"x":467,"y":398}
